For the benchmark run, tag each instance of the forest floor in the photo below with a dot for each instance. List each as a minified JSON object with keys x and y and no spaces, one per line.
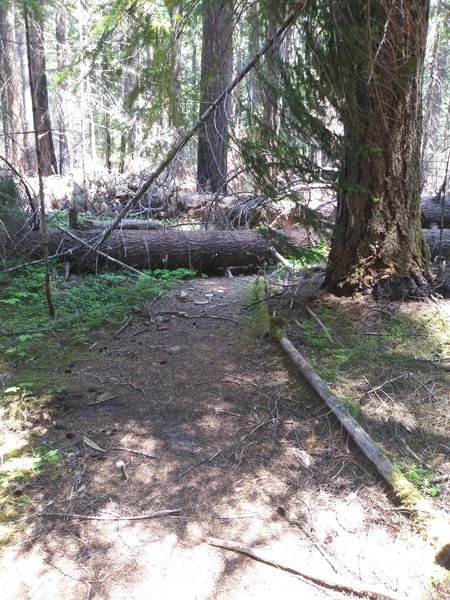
{"x":210,"y":422}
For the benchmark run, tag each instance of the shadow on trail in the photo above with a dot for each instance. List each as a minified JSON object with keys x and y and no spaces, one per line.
{"x":224,"y":434}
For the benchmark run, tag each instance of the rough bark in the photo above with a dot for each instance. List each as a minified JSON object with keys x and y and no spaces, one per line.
{"x":435,"y":212}
{"x":10,"y":96}
{"x":216,"y":73}
{"x":378,"y":242}
{"x":38,"y":73}
{"x":208,"y":251}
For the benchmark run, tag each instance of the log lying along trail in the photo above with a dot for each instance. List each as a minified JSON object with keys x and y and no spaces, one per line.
{"x":208,"y":251}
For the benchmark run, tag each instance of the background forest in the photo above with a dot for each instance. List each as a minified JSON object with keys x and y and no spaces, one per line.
{"x":116,"y":83}
{"x":294,"y":149}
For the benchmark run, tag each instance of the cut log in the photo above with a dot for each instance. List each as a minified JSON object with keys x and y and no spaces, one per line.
{"x":434,"y":212}
{"x":207,"y":251}
{"x":433,"y":237}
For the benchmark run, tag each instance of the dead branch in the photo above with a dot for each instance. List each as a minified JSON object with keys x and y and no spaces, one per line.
{"x":122,"y":449}
{"x":281,"y":259}
{"x":155,"y":515}
{"x":103,"y":400}
{"x":183,"y":473}
{"x":340,"y":585}
{"x":320,"y":323}
{"x":186,"y":316}
{"x":405,"y":491}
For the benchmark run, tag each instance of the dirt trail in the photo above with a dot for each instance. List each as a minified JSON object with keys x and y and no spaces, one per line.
{"x":224,"y":433}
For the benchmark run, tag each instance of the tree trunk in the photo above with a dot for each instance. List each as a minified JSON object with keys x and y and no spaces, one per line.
{"x":10,"y":96}
{"x":377,"y":241}
{"x":435,"y":132}
{"x":25,"y":98}
{"x":63,"y":95}
{"x":207,"y":251}
{"x":38,"y":71}
{"x":216,"y":73}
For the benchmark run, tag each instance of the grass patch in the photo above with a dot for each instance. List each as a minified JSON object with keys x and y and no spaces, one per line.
{"x":37,"y":355}
{"x":82,"y":306}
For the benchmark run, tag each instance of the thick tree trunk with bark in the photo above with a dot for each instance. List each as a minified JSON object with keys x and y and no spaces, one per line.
{"x":208,"y":251}
{"x":216,"y":73}
{"x":10,"y":95}
{"x":378,"y":242}
{"x":38,"y":73}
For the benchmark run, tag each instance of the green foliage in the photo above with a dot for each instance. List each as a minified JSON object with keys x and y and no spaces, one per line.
{"x":421,"y":479}
{"x":82,"y":306}
{"x":12,"y":206}
{"x":257,"y":320}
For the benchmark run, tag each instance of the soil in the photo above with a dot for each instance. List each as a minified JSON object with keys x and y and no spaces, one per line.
{"x":190,"y":409}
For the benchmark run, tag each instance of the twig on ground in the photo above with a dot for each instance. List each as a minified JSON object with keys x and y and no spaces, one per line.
{"x":178,"y":477}
{"x":122,"y":449}
{"x":161,"y":513}
{"x":382,"y":385}
{"x":441,"y":478}
{"x":122,"y":328}
{"x":103,"y":400}
{"x":186,"y":316}
{"x":321,"y":324}
{"x":340,"y":585}
{"x":130,"y":383}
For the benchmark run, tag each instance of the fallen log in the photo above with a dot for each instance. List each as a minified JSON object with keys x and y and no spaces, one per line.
{"x":435,"y":212}
{"x":439,"y":244}
{"x":207,"y":251}
{"x":129,"y":224}
{"x":435,"y":523}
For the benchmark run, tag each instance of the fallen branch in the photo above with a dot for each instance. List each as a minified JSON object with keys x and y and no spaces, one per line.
{"x":122,"y":449}
{"x":340,"y":585}
{"x":405,"y":492}
{"x":183,"y":473}
{"x":186,"y":316}
{"x":320,"y":323}
{"x":155,"y":515}
{"x":103,"y":400}
{"x":281,"y":259}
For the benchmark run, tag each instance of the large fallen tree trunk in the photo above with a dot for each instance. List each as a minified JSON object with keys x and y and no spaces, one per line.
{"x":435,"y":212}
{"x":207,"y":251}
{"x":439,"y":242}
